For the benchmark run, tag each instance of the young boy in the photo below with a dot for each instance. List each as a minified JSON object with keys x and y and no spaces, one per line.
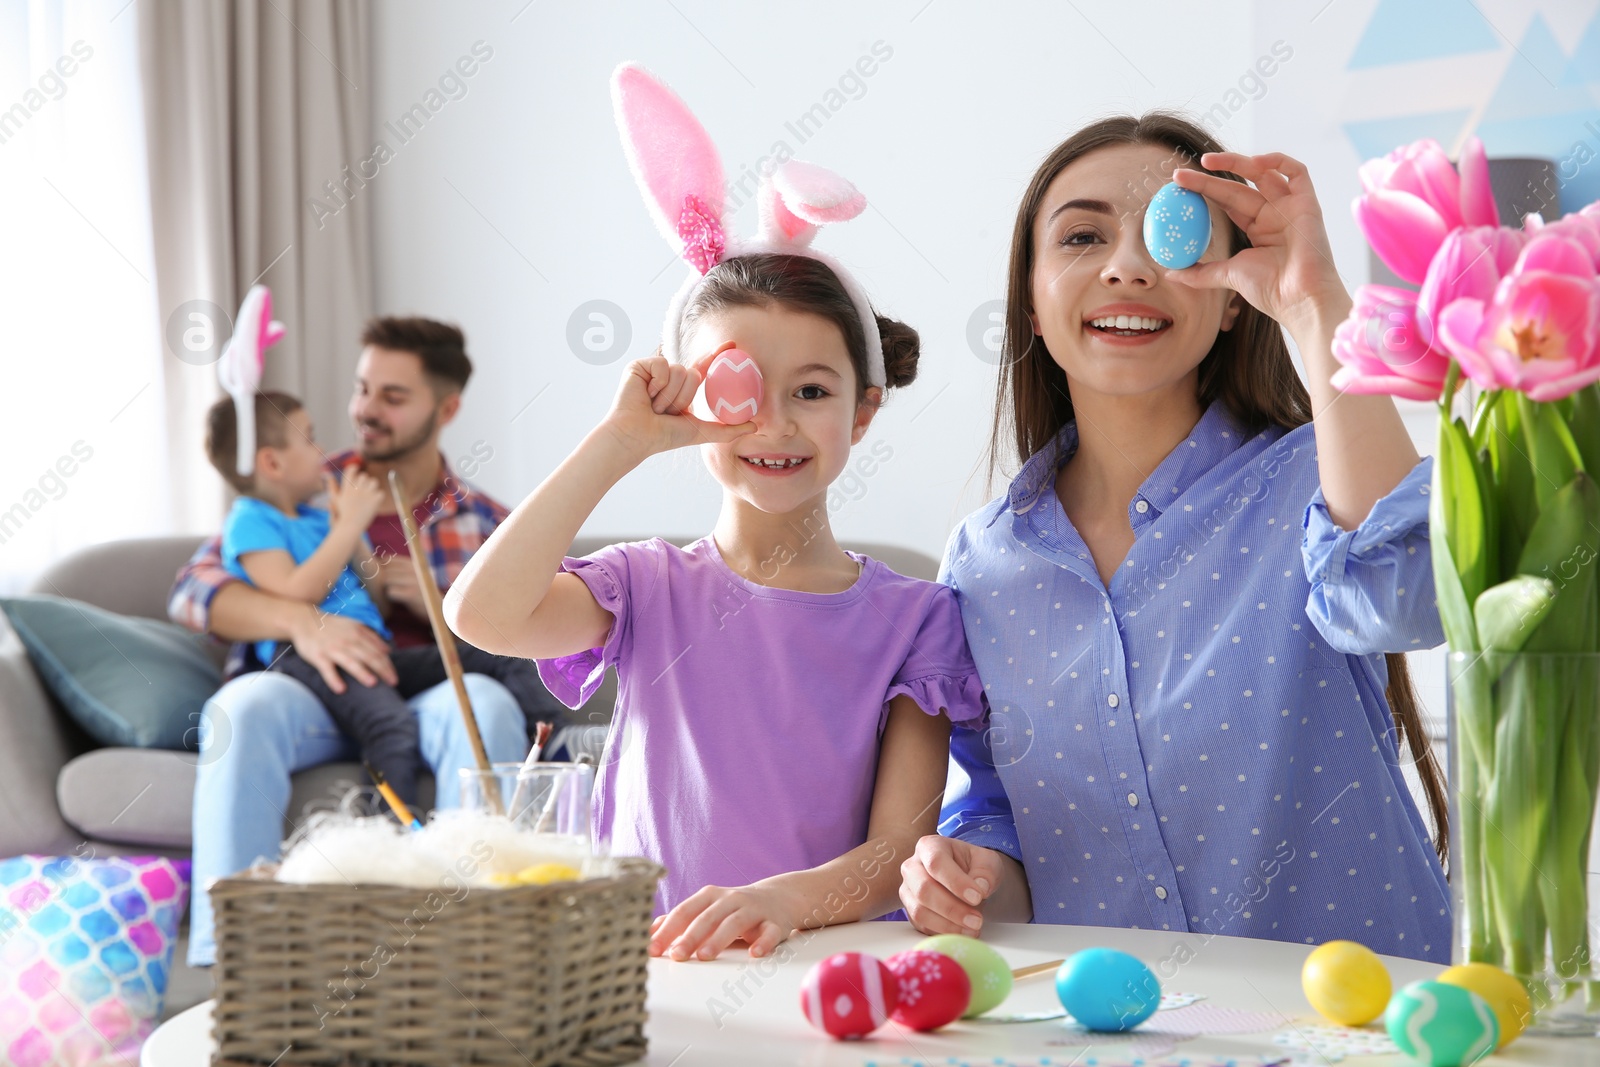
{"x":277,"y":541}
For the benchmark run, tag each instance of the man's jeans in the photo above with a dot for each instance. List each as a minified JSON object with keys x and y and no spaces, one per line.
{"x":260,"y":728}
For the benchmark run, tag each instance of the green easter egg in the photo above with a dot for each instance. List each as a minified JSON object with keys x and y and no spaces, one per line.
{"x":989,"y":973}
{"x":1441,"y":1025}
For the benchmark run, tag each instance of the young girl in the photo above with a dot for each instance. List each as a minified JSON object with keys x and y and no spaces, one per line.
{"x":1187,"y":609}
{"x":782,"y":725}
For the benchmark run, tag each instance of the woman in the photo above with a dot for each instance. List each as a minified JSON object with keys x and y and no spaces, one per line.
{"x":1188,"y":608}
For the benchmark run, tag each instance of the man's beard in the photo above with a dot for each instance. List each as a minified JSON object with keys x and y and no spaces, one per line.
{"x":401,"y":448}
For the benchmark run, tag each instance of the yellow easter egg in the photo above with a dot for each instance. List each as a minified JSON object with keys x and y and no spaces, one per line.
{"x":504,"y":881}
{"x":545,"y":873}
{"x":1346,"y":983}
{"x":1506,"y":996}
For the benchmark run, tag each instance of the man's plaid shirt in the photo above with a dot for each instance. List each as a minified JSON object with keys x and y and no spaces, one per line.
{"x":453,"y":521}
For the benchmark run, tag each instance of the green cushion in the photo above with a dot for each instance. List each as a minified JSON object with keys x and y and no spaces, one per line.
{"x":131,"y":682}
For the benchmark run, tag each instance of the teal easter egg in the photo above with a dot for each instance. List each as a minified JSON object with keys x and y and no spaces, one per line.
{"x":1177,"y":226}
{"x":1106,"y":990}
{"x":1441,"y":1025}
{"x":986,"y":968}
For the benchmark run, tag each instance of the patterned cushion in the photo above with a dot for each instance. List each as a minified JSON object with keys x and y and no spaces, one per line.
{"x":85,"y":948}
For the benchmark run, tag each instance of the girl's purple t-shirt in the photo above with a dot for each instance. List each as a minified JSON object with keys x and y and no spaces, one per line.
{"x":745,"y":738}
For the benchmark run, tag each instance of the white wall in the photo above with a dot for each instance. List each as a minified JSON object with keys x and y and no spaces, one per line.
{"x":524,"y":177}
{"x":513,"y":206}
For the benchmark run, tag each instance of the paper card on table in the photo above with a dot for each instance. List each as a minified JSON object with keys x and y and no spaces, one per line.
{"x":1333,"y":1043}
{"x":1214,"y":1019}
{"x":1169,"y":1001}
{"x":1111,"y":1060}
{"x":1044,"y":1015}
{"x":1134,"y":1046}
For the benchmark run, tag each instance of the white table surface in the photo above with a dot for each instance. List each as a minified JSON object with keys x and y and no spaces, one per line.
{"x":765,"y":1024}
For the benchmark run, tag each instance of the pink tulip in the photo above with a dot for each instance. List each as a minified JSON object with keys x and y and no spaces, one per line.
{"x":1582,"y":227}
{"x":1413,"y":198}
{"x":1469,"y":263}
{"x":1540,"y":331}
{"x":1383,"y":350}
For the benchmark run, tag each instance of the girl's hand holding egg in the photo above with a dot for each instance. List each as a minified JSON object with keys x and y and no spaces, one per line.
{"x":651,"y":411}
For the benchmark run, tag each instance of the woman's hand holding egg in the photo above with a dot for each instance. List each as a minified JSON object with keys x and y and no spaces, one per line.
{"x":1288,"y":272}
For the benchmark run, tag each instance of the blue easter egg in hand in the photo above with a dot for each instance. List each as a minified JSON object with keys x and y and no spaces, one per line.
{"x":1177,"y":226}
{"x":1107,"y":990}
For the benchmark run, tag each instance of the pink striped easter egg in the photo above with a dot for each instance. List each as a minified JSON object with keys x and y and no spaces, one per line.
{"x":849,"y":994}
{"x":733,"y":387}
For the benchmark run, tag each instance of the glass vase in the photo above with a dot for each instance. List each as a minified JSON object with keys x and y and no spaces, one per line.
{"x":1524,"y":769}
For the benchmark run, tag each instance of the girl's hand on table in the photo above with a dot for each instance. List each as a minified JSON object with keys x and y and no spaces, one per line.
{"x":945,"y":882}
{"x":762,"y":915}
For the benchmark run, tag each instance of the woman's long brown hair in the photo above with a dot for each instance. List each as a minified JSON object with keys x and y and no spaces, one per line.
{"x":1249,"y":369}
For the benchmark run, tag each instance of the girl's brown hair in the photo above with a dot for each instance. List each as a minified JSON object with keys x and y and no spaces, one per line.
{"x":801,"y":283}
{"x":1248,"y":369}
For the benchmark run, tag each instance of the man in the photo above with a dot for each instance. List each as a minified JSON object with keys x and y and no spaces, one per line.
{"x":263,"y":726}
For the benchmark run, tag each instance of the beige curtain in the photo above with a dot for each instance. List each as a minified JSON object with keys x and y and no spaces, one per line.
{"x":257,"y":117}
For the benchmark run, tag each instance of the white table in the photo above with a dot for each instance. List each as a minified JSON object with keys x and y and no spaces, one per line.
{"x":763,"y":1023}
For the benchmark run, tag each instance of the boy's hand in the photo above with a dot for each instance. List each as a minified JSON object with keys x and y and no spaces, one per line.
{"x":763,"y":915}
{"x":651,"y":411}
{"x":356,"y":500}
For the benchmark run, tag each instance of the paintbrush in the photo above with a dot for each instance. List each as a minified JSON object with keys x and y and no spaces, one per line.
{"x":386,"y":791}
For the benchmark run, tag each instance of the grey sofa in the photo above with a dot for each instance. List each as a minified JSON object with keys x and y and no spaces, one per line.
{"x":60,"y":792}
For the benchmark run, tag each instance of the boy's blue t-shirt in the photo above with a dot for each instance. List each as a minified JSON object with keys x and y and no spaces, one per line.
{"x":254,"y":525}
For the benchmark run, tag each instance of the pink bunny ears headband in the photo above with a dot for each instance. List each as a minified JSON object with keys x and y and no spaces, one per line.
{"x":239,"y":368}
{"x":680,"y":173}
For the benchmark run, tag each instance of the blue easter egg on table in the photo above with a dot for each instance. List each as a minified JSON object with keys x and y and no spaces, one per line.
{"x":1441,"y":1025}
{"x":1107,"y":990}
{"x":1177,"y":226}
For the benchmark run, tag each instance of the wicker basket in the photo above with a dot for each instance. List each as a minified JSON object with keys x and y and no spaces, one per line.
{"x":380,"y":975}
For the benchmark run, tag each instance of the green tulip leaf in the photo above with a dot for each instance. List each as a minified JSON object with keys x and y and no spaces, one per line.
{"x":1585,"y":426}
{"x":1508,"y":613}
{"x":1552,"y":452}
{"x":1455,"y":610}
{"x":1564,"y":548}
{"x":1512,"y":477}
{"x":1460,"y":500}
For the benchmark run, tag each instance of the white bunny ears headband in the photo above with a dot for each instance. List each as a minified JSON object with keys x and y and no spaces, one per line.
{"x":680,"y":174}
{"x":239,"y":368}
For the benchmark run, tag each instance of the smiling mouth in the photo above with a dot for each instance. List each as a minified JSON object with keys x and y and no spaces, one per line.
{"x":1128,"y":325}
{"x":775,"y":464}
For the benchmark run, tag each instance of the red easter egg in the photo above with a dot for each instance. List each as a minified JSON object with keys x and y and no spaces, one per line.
{"x":933,"y":989}
{"x":733,"y":387}
{"x":849,"y":994}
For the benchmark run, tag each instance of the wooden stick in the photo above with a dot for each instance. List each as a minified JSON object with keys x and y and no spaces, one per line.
{"x":445,"y":640}
{"x":1037,"y":968}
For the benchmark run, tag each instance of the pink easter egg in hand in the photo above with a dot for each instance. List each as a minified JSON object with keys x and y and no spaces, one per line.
{"x":849,"y":994}
{"x":933,"y":989}
{"x":733,"y":387}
